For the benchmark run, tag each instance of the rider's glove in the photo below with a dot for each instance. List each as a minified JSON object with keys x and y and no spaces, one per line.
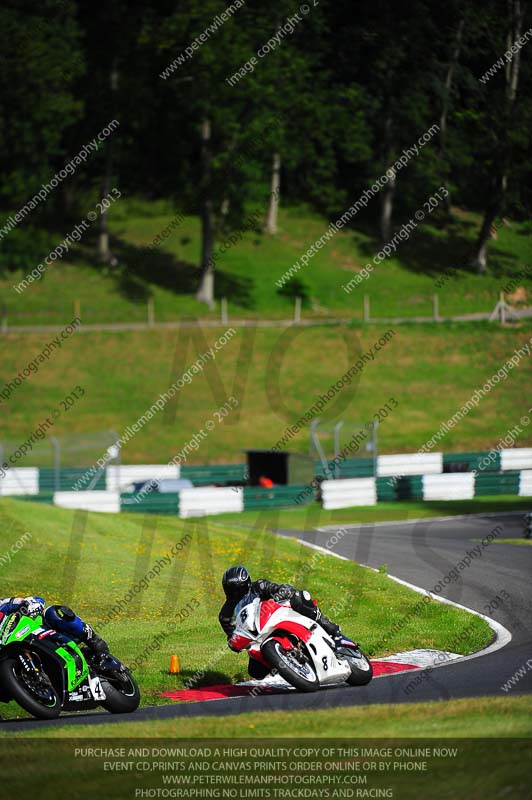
{"x":31,"y":607}
{"x":303,"y":598}
{"x":284,"y":592}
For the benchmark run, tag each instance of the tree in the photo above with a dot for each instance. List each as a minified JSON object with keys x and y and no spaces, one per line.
{"x":446,"y":103}
{"x":275,"y":193}
{"x":397,"y":108}
{"x":229,"y":118}
{"x":503,"y":117}
{"x":38,"y":45}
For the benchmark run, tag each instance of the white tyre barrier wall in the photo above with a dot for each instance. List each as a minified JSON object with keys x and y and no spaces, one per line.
{"x":117,"y":477}
{"x":20,"y":480}
{"x":200,"y":501}
{"x":349,"y":492}
{"x":450,"y":486}
{"x":525,"y":483}
{"x":516,"y":458}
{"x":409,"y":464}
{"x":89,"y":501}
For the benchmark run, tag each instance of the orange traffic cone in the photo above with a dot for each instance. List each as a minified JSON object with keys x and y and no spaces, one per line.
{"x":174,"y":665}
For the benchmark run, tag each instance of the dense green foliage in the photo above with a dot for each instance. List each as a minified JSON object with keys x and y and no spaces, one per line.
{"x":340,"y":96}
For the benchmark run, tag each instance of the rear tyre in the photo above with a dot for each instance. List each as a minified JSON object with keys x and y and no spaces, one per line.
{"x":39,"y":699}
{"x":122,"y":696}
{"x":298,"y":673}
{"x":361,"y":669}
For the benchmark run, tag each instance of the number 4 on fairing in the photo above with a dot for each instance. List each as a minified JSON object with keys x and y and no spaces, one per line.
{"x":46,"y":673}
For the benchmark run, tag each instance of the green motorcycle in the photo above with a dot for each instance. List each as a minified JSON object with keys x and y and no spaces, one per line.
{"x":46,"y":673}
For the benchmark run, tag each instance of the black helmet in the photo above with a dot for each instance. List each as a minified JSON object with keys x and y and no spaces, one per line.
{"x":236,"y":583}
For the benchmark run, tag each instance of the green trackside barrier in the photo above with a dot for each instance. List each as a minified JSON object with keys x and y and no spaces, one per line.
{"x":43,"y":497}
{"x":406,"y":487}
{"x":67,"y":478}
{"x":255,"y":497}
{"x":497,"y":483}
{"x":484,"y":461}
{"x":349,"y":468}
{"x":205,"y":475}
{"x":357,"y":468}
{"x":153,"y":503}
{"x":386,"y":493}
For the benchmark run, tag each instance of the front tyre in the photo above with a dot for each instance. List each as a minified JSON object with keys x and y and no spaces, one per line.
{"x":34,"y":693}
{"x":122,"y":694}
{"x":361,"y":669}
{"x":297,"y":671}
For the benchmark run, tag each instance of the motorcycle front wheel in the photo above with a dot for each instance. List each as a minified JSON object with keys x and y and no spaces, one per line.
{"x":122,"y":694}
{"x":361,"y":669}
{"x":35,"y":694}
{"x":299,"y":673}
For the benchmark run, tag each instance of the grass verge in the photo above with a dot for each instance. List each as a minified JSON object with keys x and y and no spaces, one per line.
{"x":93,"y":562}
{"x":314,"y":515}
{"x":515,"y":541}
{"x":494,"y":717}
{"x":348,"y":752}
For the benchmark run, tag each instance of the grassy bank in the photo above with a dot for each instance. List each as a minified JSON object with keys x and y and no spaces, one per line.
{"x":429,"y":371}
{"x":247,"y":272}
{"x":493,"y":717}
{"x":97,"y":559}
{"x":494,"y":761}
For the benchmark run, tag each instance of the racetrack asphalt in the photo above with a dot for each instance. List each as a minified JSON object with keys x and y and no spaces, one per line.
{"x":424,"y":553}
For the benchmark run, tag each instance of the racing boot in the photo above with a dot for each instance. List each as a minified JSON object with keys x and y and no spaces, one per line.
{"x":257,"y":671}
{"x":334,"y":631}
{"x":329,"y":627}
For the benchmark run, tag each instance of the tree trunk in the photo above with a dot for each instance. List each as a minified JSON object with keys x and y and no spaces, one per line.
{"x":480,"y":259}
{"x":104,"y":252}
{"x":205,"y":293}
{"x":517,"y":13}
{"x":480,"y":256}
{"x":68,"y":196}
{"x":445,"y":109}
{"x":270,"y":225}
{"x":388,"y":194}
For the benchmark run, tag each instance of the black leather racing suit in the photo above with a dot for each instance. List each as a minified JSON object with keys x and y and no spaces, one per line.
{"x":267,"y":590}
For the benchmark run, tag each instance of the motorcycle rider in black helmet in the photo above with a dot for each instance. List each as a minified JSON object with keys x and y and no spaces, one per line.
{"x":237,"y":583}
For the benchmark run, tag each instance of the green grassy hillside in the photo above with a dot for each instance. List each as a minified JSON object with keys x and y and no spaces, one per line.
{"x":429,"y":370}
{"x":246,"y":274}
{"x":92,"y":562}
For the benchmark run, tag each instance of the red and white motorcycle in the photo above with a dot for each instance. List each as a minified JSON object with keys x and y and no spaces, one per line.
{"x":295,"y":646}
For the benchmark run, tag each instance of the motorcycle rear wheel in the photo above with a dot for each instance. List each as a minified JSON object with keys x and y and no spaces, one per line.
{"x":300,"y":676}
{"x":13,"y":684}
